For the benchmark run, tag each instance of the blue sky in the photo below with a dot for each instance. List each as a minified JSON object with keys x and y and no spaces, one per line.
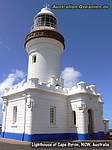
{"x":88,"y":41}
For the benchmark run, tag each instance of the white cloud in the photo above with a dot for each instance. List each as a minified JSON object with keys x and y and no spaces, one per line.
{"x":70,"y":76}
{"x":12,"y":79}
{"x":17,"y":77}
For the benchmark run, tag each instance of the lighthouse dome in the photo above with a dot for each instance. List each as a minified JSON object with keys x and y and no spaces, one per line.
{"x":45,"y":19}
{"x":46,"y":10}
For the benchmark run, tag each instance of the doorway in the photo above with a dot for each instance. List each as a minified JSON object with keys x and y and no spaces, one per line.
{"x":90,"y":121}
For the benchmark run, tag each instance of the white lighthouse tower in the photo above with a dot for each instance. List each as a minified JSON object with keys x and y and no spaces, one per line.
{"x":44,"y":45}
{"x":42,"y":109}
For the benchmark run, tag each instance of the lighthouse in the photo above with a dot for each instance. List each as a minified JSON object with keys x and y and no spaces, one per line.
{"x":42,"y":108}
{"x":44,"y":45}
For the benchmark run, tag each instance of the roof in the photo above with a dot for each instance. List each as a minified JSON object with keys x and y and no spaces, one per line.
{"x":45,"y":10}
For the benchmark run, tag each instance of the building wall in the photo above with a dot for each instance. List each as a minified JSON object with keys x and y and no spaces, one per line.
{"x":41,"y":113}
{"x":74,"y":103}
{"x":22,"y":125}
{"x":47,"y":52}
{"x":81,"y":103}
{"x":18,"y":127}
{"x":36,"y":121}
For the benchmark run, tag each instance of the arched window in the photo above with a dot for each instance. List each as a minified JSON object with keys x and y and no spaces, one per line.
{"x":74,"y":117}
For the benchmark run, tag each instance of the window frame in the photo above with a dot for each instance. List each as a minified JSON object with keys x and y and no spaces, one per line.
{"x":52,"y":115}
{"x":46,"y":20}
{"x":74,"y":117}
{"x":14,"y":114}
{"x":34,"y":59}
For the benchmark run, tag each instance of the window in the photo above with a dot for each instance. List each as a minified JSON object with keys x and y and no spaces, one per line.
{"x":34,"y":58}
{"x":46,"y":20}
{"x":14,"y":114}
{"x":74,"y":117}
{"x":52,"y":115}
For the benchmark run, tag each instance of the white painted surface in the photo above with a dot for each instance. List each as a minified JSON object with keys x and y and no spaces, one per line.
{"x":48,"y":53}
{"x":46,"y":10}
{"x":38,"y":102}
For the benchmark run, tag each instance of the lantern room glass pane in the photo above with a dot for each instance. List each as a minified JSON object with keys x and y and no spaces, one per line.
{"x":46,"y":20}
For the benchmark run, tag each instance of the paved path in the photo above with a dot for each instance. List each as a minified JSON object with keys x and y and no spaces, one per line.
{"x":6,"y":144}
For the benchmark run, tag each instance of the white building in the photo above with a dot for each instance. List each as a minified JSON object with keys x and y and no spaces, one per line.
{"x":42,"y":109}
